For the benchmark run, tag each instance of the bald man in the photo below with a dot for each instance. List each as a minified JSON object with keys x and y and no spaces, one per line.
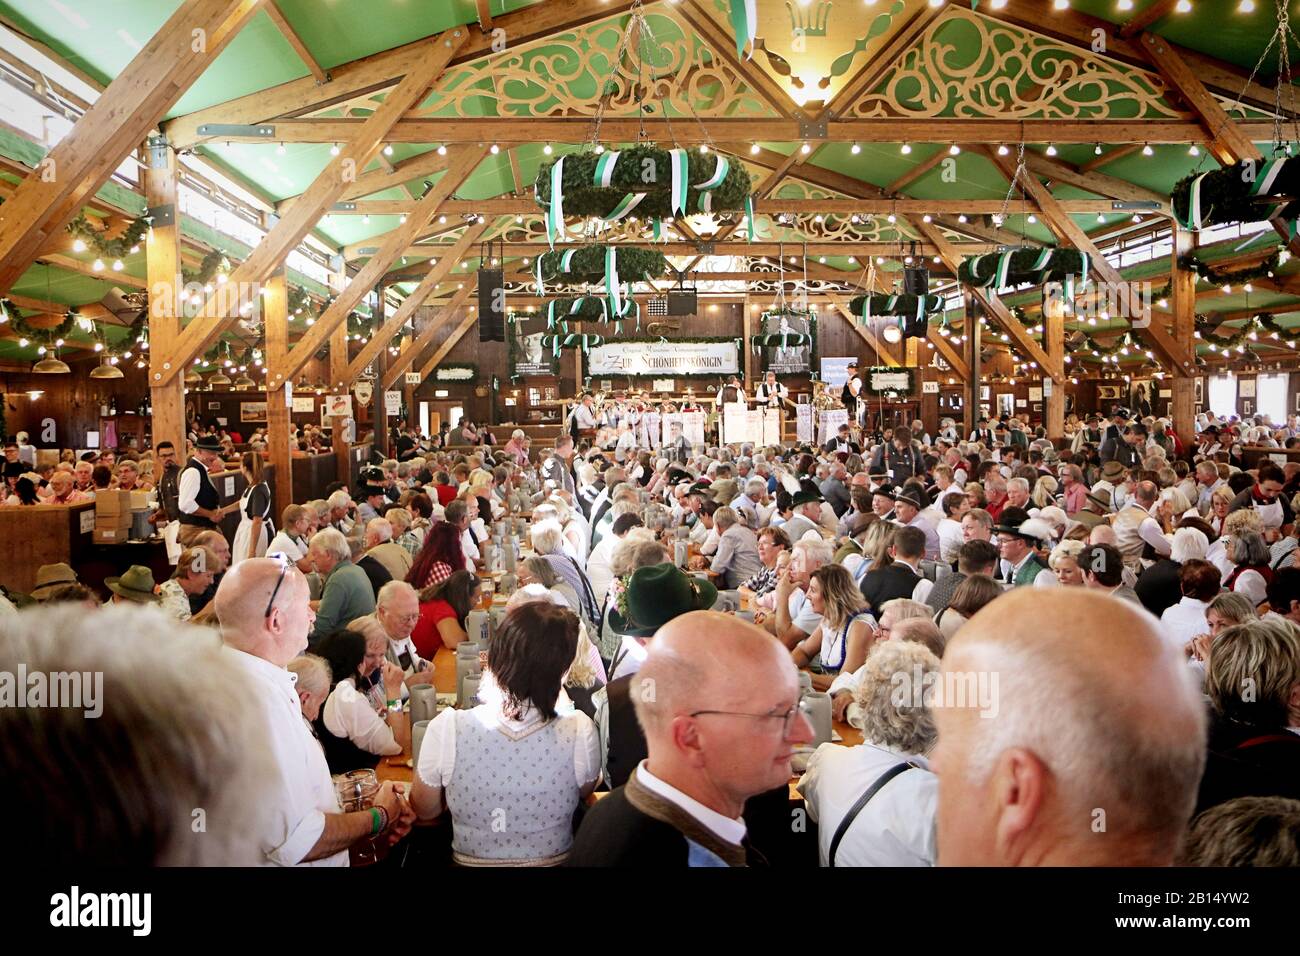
{"x":719,"y":701}
{"x":1079,"y":744}
{"x":265,"y":617}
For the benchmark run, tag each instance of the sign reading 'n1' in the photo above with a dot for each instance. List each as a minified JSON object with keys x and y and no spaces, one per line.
{"x":663,"y":359}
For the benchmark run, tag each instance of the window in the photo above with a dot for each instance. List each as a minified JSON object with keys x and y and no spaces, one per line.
{"x":1223,"y":395}
{"x":1270,"y":396}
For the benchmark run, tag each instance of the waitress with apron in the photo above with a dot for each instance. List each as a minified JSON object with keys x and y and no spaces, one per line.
{"x":1266,"y":497}
{"x":255,"y":526}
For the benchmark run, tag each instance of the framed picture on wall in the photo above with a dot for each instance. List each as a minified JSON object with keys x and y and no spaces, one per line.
{"x":1038,"y":406}
{"x":1246,"y":388}
{"x":1247,"y":407}
{"x":1200,"y":394}
{"x":1109,"y":392}
{"x":984,"y":393}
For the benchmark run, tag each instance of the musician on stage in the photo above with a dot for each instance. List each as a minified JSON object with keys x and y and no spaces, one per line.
{"x":852,"y":389}
{"x":770,"y":392}
{"x":732,"y":391}
{"x":583,"y":419}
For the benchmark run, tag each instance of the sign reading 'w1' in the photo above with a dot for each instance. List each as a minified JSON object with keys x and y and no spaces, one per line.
{"x":666,"y":359}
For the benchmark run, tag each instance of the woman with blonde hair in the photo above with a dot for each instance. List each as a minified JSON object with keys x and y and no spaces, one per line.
{"x":1064,"y":562}
{"x":1044,"y":494}
{"x":847,"y":628}
{"x":875,"y":550}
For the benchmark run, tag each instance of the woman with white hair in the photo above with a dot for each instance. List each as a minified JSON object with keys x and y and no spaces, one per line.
{"x":1055,"y":517}
{"x":1250,"y":573}
{"x":572,"y":528}
{"x":1158,"y":585}
{"x":1064,"y":562}
{"x":547,"y":539}
{"x":895,"y":826}
{"x":1044,"y":493}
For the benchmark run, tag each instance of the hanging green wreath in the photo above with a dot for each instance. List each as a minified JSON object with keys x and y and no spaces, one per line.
{"x":647,"y":181}
{"x":907,"y":306}
{"x":1024,"y":264}
{"x":590,"y":264}
{"x":572,"y":340}
{"x":116,"y":248}
{"x":1248,"y":191}
{"x":589,"y":308}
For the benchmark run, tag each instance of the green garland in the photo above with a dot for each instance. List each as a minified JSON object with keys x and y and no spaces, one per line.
{"x":901,"y":305}
{"x":588,"y":264}
{"x":29,"y":331}
{"x":1262,"y":321}
{"x":457,"y":381}
{"x":911,"y":380}
{"x":779,"y":340}
{"x":1208,"y":273}
{"x":1244,"y":192}
{"x":117,"y":248}
{"x":1020,"y":265}
{"x":645,"y":171}
{"x":212,"y":261}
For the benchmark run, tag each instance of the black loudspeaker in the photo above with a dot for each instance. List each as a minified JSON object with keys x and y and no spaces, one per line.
{"x":491,"y":305}
{"x":681,"y":303}
{"x":916,"y":280}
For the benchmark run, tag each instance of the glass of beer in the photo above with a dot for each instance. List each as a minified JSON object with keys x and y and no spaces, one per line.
{"x":487,"y":589}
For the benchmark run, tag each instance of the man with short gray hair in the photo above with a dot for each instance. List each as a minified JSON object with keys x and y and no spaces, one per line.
{"x":737,"y":557}
{"x":1079,"y":744}
{"x":396,"y":560}
{"x":346,"y":594}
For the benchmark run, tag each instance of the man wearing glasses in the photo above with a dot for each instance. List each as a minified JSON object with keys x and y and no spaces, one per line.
{"x":265,"y":616}
{"x":397,"y":609}
{"x":169,"y":491}
{"x":719,"y":701}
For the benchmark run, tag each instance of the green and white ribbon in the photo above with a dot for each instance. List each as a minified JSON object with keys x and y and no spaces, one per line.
{"x":705,"y":202}
{"x":720,"y":170}
{"x":611,"y":280}
{"x":583,"y":341}
{"x":744,"y":21}
{"x":1263,"y":184}
{"x":680,"y":164}
{"x":604,"y":173}
{"x":1195,"y":216}
{"x":555,"y":211}
{"x":657,"y":232}
{"x":625,"y":206}
{"x":749,"y":217}
{"x":541,"y":286}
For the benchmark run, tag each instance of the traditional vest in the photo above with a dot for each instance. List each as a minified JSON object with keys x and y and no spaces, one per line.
{"x":940,"y":595}
{"x":1127,"y":537}
{"x":1028,"y":571}
{"x":730,"y":394}
{"x":206,"y":498}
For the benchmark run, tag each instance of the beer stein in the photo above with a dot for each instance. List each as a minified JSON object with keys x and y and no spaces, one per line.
{"x":816,"y":706}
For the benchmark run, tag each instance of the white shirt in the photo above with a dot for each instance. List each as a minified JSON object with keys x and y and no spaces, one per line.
{"x":301,"y":791}
{"x":950,"y":540}
{"x":631,"y":654}
{"x":282,"y":543}
{"x":1184,"y":621}
{"x":348,"y":713}
{"x":895,"y":828}
{"x":584,"y":418}
{"x":187,"y":489}
{"x":438,"y":750}
{"x":1149,"y":531}
{"x":599,"y":572}
{"x":725,"y":828}
{"x":470,"y":550}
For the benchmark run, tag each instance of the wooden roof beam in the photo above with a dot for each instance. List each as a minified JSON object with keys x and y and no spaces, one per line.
{"x":214,"y":318}
{"x":114,"y":126}
{"x":421,"y":342}
{"x":382,"y":70}
{"x":295,"y":41}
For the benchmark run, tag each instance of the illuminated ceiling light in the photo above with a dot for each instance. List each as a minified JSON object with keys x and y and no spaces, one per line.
{"x":442,"y":150}
{"x":1051,"y":149}
{"x":1147,"y":150}
{"x":402,"y":220}
{"x":1183,"y":6}
{"x":388,"y":150}
{"x":855,"y":149}
{"x":1060,"y":4}
{"x":1193,"y":150}
{"x":1003,"y":150}
{"x":905,"y":148}
{"x":927,"y":218}
{"x":892,"y":334}
{"x":117,"y":265}
{"x":1101,"y":217}
{"x":1136,"y":217}
{"x":547,"y":149}
{"x":98,"y":265}
{"x":891,"y":218}
{"x":753,"y":149}
{"x":365,"y":220}
{"x":805,"y":149}
{"x":600,"y":148}
{"x":704,"y":147}
{"x":954,"y":149}
{"x":961,"y":218}
{"x":280,"y":150}
{"x":998,"y":4}
{"x":1032,"y":218}
{"x":1246,"y":6}
{"x":78,"y":245}
{"x":334,"y":150}
{"x":495,"y":149}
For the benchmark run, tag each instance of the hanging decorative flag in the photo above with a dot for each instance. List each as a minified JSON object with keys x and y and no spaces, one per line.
{"x":625,"y":206}
{"x":744,"y":21}
{"x":680,"y":164}
{"x":719,"y":174}
{"x":611,"y":280}
{"x":605,"y":168}
{"x":749,"y":217}
{"x":555,"y":212}
{"x":657,"y":233}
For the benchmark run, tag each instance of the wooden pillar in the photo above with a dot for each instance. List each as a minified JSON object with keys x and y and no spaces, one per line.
{"x":747,"y":324}
{"x":337,"y":385}
{"x":378,"y":408}
{"x":577,"y":365}
{"x":163,"y":268}
{"x":1054,"y":345}
{"x":971,"y":406}
{"x":1183,"y":302}
{"x":279,"y":400}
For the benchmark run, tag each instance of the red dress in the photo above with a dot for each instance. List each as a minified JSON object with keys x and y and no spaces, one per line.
{"x":425,"y":633}
{"x":446,"y":494}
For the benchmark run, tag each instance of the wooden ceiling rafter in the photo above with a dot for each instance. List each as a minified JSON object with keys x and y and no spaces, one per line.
{"x":291,"y":35}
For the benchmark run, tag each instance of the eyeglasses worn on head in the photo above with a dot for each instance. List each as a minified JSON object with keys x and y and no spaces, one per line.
{"x":788,"y":718}
{"x":285,"y":563}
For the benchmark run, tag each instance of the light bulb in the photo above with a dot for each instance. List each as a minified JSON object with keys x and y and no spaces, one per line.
{"x":805,"y":149}
{"x":334,"y":150}
{"x":753,"y":149}
{"x":442,"y":150}
{"x":78,"y":245}
{"x":98,"y":265}
{"x":954,"y":149}
{"x":855,"y":149}
{"x":117,"y":265}
{"x":388,"y":150}
{"x":1051,"y":150}
{"x":280,"y":150}
{"x":495,"y":149}
{"x":905,"y":148}
{"x":1003,"y":150}
{"x":1147,"y":150}
{"x":1193,"y":150}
